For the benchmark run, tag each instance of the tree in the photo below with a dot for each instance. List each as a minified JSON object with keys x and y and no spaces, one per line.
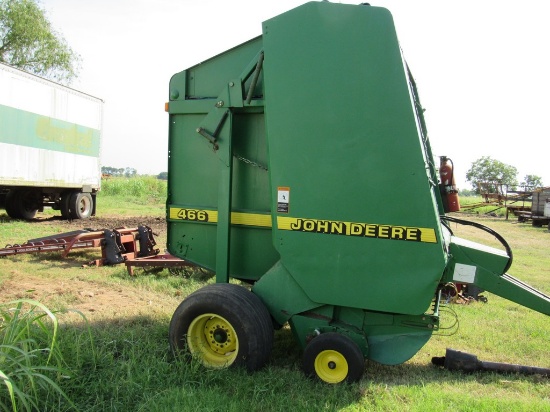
{"x":108,"y":170}
{"x":119,"y":172}
{"x":130,"y":172}
{"x":28,"y":42}
{"x":489,"y":175}
{"x":531,"y":182}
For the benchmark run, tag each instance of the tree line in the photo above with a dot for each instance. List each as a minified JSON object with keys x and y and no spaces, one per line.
{"x":488,"y":175}
{"x":108,"y":171}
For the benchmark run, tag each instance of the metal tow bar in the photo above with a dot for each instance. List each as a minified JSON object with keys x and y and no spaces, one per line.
{"x":466,"y":362}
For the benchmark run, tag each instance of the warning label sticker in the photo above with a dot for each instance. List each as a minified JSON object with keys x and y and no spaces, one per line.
{"x":283,"y":199}
{"x":464,"y":273}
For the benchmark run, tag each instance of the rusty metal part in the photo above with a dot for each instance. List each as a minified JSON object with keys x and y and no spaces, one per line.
{"x":156,"y":261}
{"x":133,"y":246}
{"x":63,"y":241}
{"x":117,"y":245}
{"x":466,"y":362}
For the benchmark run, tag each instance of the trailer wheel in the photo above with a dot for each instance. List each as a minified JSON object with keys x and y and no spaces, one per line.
{"x":536,"y":223}
{"x":22,"y":204}
{"x":64,"y":205}
{"x":81,"y":205}
{"x":333,"y":358}
{"x":11,"y":206}
{"x":223,"y":325}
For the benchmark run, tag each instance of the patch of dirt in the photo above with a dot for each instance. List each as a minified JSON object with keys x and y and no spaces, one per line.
{"x":157,"y":224}
{"x":96,"y":300}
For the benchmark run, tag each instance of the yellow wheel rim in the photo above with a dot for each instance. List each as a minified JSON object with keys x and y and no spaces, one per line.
{"x":331,"y":366}
{"x":213,"y":340}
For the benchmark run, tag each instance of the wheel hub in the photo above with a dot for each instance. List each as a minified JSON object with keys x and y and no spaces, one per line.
{"x":331,"y":366}
{"x":219,"y":335}
{"x":213,"y":339}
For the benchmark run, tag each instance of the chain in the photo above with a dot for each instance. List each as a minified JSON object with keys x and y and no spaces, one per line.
{"x":250,"y":162}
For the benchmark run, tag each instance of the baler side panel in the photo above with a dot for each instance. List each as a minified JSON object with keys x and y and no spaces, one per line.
{"x":206,"y":79}
{"x":196,"y":168}
{"x":343,"y":138}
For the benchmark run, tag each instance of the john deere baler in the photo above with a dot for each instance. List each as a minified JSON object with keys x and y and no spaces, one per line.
{"x":299,"y":164}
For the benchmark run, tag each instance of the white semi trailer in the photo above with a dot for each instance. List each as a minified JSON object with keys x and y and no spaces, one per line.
{"x":50,"y":139}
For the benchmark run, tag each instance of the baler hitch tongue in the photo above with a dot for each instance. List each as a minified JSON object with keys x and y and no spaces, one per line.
{"x":466,"y":362}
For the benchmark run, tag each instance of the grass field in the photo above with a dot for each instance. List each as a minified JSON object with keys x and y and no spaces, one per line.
{"x":112,"y":349}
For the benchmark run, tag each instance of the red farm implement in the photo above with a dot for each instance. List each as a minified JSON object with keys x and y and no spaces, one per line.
{"x":132,"y":246}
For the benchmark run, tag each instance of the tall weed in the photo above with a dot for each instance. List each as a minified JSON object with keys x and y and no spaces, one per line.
{"x":31,"y":364}
{"x":142,"y":187}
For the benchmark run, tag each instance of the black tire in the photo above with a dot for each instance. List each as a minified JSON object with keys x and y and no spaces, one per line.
{"x":333,"y":358}
{"x":64,"y":205}
{"x":81,"y":205}
{"x":22,"y":204}
{"x":223,"y":325}
{"x":11,"y":207}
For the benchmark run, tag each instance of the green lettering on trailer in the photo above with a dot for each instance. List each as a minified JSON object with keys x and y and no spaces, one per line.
{"x":32,"y":130}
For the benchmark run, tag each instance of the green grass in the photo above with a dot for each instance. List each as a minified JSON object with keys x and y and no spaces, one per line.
{"x":121,"y":360}
{"x":121,"y":196}
{"x":132,"y":196}
{"x":31,"y":362}
{"x":143,"y":187}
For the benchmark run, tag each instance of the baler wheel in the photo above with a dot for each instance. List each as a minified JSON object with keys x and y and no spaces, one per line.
{"x":223,"y":325}
{"x":333,"y":358}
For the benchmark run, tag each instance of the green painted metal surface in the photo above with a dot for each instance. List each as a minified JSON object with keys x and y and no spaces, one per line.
{"x":343,"y":136}
{"x":299,"y":161}
{"x":198,"y":188}
{"x":483,"y":266}
{"x":304,"y":172}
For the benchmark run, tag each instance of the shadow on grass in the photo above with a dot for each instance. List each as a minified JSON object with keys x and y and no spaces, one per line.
{"x":126,"y":364}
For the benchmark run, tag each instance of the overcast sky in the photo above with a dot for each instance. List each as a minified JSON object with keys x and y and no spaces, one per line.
{"x":482,"y":69}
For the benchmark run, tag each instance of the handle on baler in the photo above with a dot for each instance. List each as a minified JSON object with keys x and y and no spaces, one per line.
{"x":488,"y":230}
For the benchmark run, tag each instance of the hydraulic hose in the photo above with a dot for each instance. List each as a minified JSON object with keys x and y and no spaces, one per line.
{"x":488,"y":230}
